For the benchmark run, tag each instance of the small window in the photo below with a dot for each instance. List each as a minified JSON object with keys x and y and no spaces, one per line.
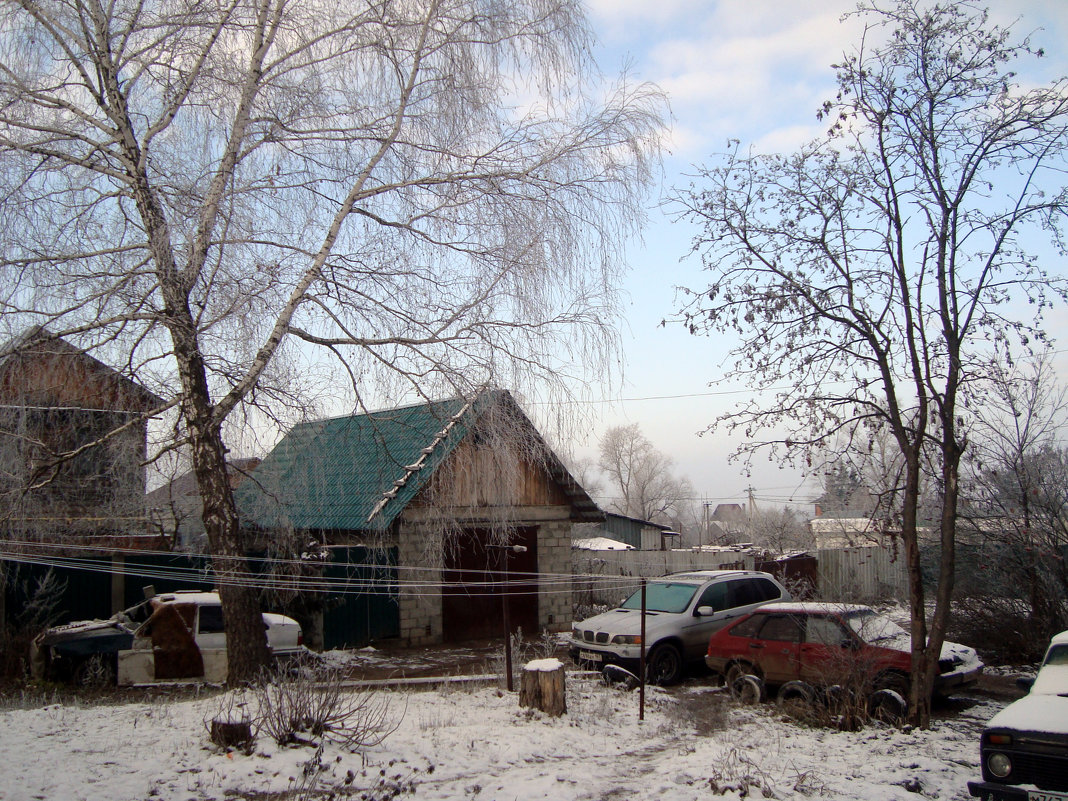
{"x":1058,"y":655}
{"x":825,"y":630}
{"x":211,"y":620}
{"x":781,"y":628}
{"x":743,"y":593}
{"x":768,"y":589}
{"x":715,"y":596}
{"x":749,"y":627}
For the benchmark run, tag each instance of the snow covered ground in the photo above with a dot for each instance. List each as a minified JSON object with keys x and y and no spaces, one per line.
{"x":476,"y":743}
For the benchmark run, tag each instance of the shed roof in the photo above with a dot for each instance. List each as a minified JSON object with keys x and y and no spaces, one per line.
{"x":358,"y":473}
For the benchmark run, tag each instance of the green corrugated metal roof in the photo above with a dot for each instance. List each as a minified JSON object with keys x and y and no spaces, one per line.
{"x":335,"y":474}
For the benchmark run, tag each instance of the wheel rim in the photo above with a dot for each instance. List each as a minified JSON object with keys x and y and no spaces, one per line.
{"x":665,"y":666}
{"x":735,"y":672}
{"x":748,"y":689}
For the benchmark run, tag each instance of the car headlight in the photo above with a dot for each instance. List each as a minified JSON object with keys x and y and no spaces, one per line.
{"x":627,"y":639}
{"x":999,"y":765}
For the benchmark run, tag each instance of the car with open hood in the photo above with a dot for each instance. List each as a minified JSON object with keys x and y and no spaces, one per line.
{"x":822,"y":644}
{"x":682,"y":611}
{"x":1024,"y":748}
{"x":819,"y":644}
{"x":174,"y":636}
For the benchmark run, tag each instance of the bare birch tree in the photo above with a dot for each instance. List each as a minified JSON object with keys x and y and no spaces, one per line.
{"x":206,"y":192}
{"x":1015,"y":510}
{"x":643,"y":476}
{"x":868,"y":275}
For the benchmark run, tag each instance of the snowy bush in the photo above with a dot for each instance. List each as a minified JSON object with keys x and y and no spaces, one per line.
{"x":312,"y":704}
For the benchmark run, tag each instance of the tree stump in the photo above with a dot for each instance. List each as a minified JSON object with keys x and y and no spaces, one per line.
{"x":542,"y":687}
{"x":231,"y":733}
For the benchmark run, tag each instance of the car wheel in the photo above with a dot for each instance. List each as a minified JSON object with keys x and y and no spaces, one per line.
{"x":749,"y":689}
{"x":664,"y":665}
{"x":796,"y":698}
{"x":736,"y":671}
{"x":896,"y":682}
{"x":887,"y":706}
{"x":95,"y":671}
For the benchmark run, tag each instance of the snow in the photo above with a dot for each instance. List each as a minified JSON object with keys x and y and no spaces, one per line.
{"x":1038,"y":713}
{"x":459,"y":744}
{"x":543,"y":665}
{"x":600,"y":544}
{"x":1045,"y":708}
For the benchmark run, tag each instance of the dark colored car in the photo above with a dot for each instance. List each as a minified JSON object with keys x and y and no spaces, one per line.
{"x":827,"y":644}
{"x":1024,"y":747}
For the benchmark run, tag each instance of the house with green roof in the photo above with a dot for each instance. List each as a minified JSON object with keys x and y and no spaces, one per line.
{"x":449,"y":487}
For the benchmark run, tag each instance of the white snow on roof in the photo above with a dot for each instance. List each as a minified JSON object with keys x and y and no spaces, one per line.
{"x":600,"y":544}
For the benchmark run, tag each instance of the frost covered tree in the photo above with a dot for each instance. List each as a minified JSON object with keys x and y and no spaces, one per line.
{"x":215,"y":195}
{"x":868,"y":276}
{"x":641,"y":477}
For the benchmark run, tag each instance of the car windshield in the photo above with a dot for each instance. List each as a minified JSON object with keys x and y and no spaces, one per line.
{"x":872,"y":627}
{"x":662,"y":596}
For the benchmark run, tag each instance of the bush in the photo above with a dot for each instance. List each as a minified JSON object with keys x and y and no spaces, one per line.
{"x":311,"y":703}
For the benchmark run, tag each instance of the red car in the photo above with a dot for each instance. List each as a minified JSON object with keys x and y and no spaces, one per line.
{"x":825,"y":644}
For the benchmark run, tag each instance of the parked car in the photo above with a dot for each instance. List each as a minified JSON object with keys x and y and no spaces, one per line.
{"x":682,"y":610}
{"x":173,"y":636}
{"x":830,"y":644}
{"x":1024,"y":747}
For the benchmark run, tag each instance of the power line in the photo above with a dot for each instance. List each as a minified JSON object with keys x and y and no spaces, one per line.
{"x":494,"y":581}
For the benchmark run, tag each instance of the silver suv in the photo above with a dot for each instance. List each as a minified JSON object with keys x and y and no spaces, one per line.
{"x":682,"y":612}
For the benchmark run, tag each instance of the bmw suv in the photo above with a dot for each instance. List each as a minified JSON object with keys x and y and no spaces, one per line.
{"x":682,"y":612}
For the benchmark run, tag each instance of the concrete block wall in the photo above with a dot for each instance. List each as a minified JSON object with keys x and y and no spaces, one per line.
{"x":420,"y":610}
{"x":554,"y":563}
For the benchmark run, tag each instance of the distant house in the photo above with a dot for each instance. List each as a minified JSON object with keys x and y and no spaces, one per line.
{"x":638,"y":534}
{"x":65,"y":474}
{"x":73,"y":435}
{"x":175,"y":510}
{"x":833,"y":531}
{"x":448,"y":488}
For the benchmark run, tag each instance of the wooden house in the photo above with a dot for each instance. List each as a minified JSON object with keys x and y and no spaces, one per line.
{"x":72,"y":443}
{"x":451,"y":488}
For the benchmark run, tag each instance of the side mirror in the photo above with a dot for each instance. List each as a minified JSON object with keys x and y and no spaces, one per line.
{"x":1025,"y":683}
{"x":704,"y":611}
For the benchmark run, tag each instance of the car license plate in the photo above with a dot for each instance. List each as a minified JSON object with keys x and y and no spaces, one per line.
{"x":590,"y":656}
{"x":1043,"y":795}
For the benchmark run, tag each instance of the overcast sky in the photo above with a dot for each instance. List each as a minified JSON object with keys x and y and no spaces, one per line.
{"x":755,"y":70}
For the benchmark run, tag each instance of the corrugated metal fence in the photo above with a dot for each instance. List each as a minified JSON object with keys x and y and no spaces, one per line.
{"x":848,"y":574}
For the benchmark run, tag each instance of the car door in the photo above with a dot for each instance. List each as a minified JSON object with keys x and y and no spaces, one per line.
{"x":776,"y":648}
{"x":211,"y":640}
{"x":696,"y":629}
{"x":828,"y":651}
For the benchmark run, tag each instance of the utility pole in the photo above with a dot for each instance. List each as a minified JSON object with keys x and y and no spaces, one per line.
{"x":750,"y":509}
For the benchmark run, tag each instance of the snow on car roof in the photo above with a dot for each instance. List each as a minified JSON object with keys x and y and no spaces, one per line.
{"x":1059,"y":638}
{"x":814,"y":607}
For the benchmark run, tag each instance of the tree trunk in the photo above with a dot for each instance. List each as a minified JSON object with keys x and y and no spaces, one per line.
{"x":246,"y":636}
{"x":542,"y":687}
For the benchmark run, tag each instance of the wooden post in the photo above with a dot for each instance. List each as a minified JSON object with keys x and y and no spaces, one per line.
{"x":641,"y":662}
{"x":542,"y":687}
